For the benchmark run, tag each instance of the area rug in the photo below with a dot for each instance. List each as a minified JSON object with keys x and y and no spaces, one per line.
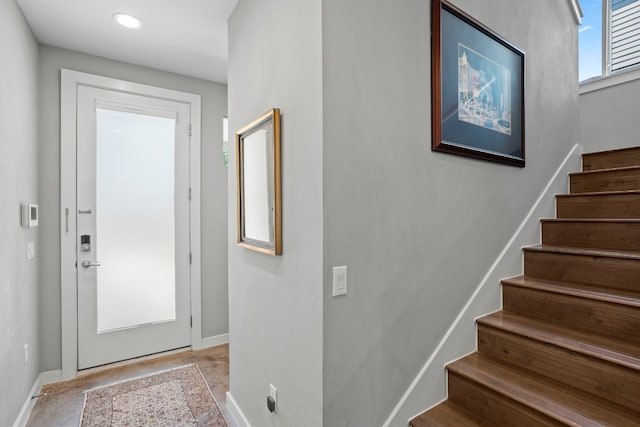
{"x":178,"y":397}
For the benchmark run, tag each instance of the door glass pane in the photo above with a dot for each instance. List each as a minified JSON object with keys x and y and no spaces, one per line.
{"x":135,"y":216}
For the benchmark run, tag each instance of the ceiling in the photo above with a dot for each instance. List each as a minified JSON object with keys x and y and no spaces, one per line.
{"x":184,"y":37}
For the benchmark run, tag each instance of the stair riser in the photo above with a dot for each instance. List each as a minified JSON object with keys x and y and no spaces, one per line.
{"x":615,"y":273}
{"x":584,"y":314}
{"x":605,"y":380}
{"x":622,"y":206}
{"x":611,"y":159}
{"x":623,"y":236}
{"x":615,"y":180}
{"x":445,"y":415}
{"x":495,"y":408}
{"x":423,"y":422}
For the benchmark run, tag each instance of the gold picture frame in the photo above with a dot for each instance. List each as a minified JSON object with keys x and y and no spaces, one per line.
{"x":259,"y":184}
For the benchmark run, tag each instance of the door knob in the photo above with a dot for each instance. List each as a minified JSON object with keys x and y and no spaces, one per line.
{"x":86,"y":264}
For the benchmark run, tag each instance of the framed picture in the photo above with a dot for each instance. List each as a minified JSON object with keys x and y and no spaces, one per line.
{"x":477,"y":89}
{"x":259,"y":184}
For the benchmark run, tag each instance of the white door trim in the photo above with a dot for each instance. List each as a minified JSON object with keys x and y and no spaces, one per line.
{"x":70,"y":80}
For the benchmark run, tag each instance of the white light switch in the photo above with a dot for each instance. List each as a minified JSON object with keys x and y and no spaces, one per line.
{"x":31,"y":251}
{"x":340,"y":280}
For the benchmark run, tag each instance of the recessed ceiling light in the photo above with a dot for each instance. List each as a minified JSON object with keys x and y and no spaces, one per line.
{"x":127,"y":20}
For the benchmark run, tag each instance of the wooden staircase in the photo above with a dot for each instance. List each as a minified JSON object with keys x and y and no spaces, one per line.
{"x":565,"y":349}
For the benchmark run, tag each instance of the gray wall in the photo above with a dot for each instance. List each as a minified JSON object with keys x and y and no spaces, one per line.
{"x":214,"y":187}
{"x":417,"y":229}
{"x":275,"y":323}
{"x":18,"y":183}
{"x":609,"y":117}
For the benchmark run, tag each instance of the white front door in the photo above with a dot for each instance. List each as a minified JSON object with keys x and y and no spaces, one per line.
{"x":132,"y":225}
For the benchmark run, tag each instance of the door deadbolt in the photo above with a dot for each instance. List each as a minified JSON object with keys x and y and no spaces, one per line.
{"x":85,"y":243}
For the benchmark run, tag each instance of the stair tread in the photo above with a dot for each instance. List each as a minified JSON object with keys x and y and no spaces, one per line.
{"x":594,"y":220}
{"x":599,"y":193}
{"x":612,"y":295}
{"x":605,"y":348}
{"x":447,"y":414}
{"x":584,"y":251}
{"x":541,"y":395}
{"x":606,"y":170}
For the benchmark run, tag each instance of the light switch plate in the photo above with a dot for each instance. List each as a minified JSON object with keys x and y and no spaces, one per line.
{"x":31,"y":251}
{"x":340,"y":280}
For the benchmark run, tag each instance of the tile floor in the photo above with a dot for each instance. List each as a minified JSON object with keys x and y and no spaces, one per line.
{"x":62,"y":406}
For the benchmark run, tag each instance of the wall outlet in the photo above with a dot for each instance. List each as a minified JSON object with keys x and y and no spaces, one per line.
{"x":25,"y":350}
{"x":273,"y":393}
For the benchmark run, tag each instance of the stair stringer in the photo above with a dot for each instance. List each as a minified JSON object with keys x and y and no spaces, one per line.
{"x":429,"y":387}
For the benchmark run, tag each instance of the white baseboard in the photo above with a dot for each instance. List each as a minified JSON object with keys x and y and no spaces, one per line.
{"x":429,"y":386}
{"x":42,"y":379}
{"x":236,"y":412}
{"x":214,"y":341}
{"x":29,"y":403}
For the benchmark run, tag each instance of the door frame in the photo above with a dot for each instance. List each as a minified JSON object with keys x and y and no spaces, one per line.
{"x":70,"y":80}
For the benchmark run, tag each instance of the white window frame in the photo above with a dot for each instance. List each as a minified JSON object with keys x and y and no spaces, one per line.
{"x":608,"y":78}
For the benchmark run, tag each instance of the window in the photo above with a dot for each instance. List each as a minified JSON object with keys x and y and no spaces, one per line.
{"x":625,"y":34}
{"x":609,"y":37}
{"x":590,"y":40}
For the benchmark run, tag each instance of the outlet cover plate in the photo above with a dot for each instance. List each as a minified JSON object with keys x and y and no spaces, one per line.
{"x":273,"y":392}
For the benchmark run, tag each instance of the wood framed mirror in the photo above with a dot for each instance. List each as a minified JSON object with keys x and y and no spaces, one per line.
{"x":259,"y":184}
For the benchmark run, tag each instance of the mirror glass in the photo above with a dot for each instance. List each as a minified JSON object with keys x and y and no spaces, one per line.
{"x":258,"y":177}
{"x":258,"y":187}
